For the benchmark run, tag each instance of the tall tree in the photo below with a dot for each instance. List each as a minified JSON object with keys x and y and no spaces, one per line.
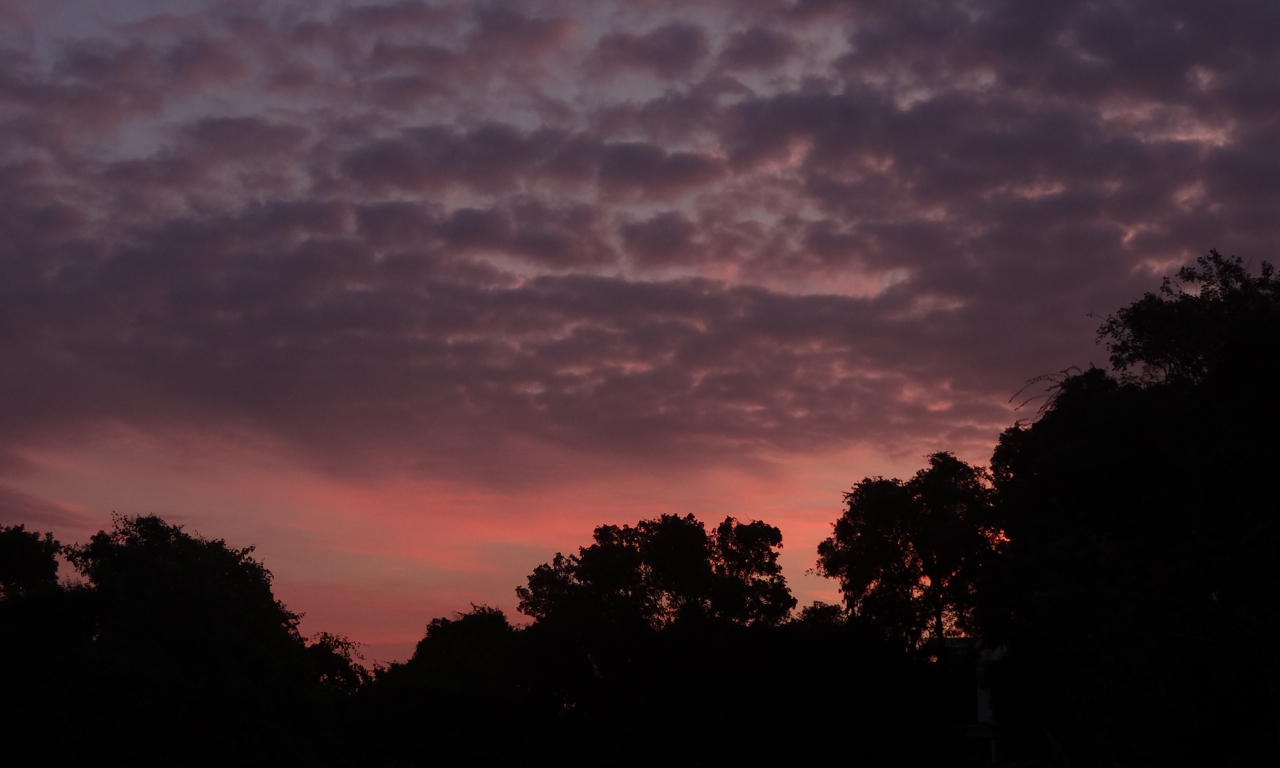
{"x":1137,"y":597}
{"x":749,"y":587}
{"x":907,"y":554}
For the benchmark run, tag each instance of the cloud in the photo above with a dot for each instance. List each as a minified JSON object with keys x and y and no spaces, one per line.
{"x":243,"y":138}
{"x":667,"y":238}
{"x":488,"y":157}
{"x":386,"y":17}
{"x":421,"y":238}
{"x":36,"y":513}
{"x":503,"y":31}
{"x":201,"y":62}
{"x":669,"y":51}
{"x":651,"y":170}
{"x":757,"y":47}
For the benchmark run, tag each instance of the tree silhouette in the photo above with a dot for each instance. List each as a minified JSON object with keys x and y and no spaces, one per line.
{"x":907,"y":554}
{"x":164,"y":587}
{"x":45,"y":636}
{"x":469,"y":653}
{"x":664,"y":570}
{"x":666,"y":642}
{"x":335,"y":663}
{"x":27,"y":561}
{"x":189,"y":657}
{"x":749,"y":588}
{"x":175,"y":651}
{"x":1226,"y":328}
{"x":1137,"y":595}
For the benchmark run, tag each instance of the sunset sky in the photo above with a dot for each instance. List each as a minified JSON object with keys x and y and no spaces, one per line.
{"x":413,"y":295}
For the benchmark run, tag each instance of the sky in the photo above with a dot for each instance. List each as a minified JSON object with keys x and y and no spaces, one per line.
{"x":413,"y":295}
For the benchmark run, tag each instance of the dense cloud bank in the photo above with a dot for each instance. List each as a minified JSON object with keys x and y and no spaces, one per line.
{"x":692,"y":232}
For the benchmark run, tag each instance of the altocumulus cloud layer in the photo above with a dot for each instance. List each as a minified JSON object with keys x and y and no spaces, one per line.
{"x":425,"y":236}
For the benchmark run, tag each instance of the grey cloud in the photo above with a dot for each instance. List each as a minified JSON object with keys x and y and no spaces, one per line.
{"x":379,"y":17}
{"x":560,"y":236}
{"x":402,"y":55}
{"x":668,"y":238}
{"x":184,"y":329}
{"x":669,"y":51}
{"x":552,"y":236}
{"x":757,"y":47}
{"x":390,"y":259}
{"x":243,"y":137}
{"x":651,"y":170}
{"x":389,"y":224}
{"x":489,"y":157}
{"x":202,"y":61}
{"x":504,"y":31}
{"x":470,"y":227}
{"x":497,"y":157}
{"x":674,"y":117}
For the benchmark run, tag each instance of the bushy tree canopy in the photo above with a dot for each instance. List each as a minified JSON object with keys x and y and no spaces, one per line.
{"x":164,"y":588}
{"x":662,"y":570}
{"x":907,"y":554}
{"x":1138,"y":593}
{"x":27,"y":561}
{"x":1226,"y":325}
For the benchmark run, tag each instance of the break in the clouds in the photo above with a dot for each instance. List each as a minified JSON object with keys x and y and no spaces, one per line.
{"x":421,"y":237}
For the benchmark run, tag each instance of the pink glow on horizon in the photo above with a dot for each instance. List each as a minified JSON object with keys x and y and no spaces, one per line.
{"x":376,"y":561}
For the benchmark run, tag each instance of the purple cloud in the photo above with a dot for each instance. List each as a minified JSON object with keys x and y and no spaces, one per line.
{"x":757,"y":47}
{"x":408,"y":237}
{"x":669,"y":51}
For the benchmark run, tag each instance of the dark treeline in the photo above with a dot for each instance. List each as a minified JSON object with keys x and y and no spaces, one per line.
{"x":1105,"y":594}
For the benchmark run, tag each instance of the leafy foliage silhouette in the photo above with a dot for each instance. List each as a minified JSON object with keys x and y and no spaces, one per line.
{"x":907,"y":554}
{"x":1136,"y":596}
{"x":27,"y":561}
{"x":1226,"y":327}
{"x":660,"y":642}
{"x":175,"y":651}
{"x":662,"y":571}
